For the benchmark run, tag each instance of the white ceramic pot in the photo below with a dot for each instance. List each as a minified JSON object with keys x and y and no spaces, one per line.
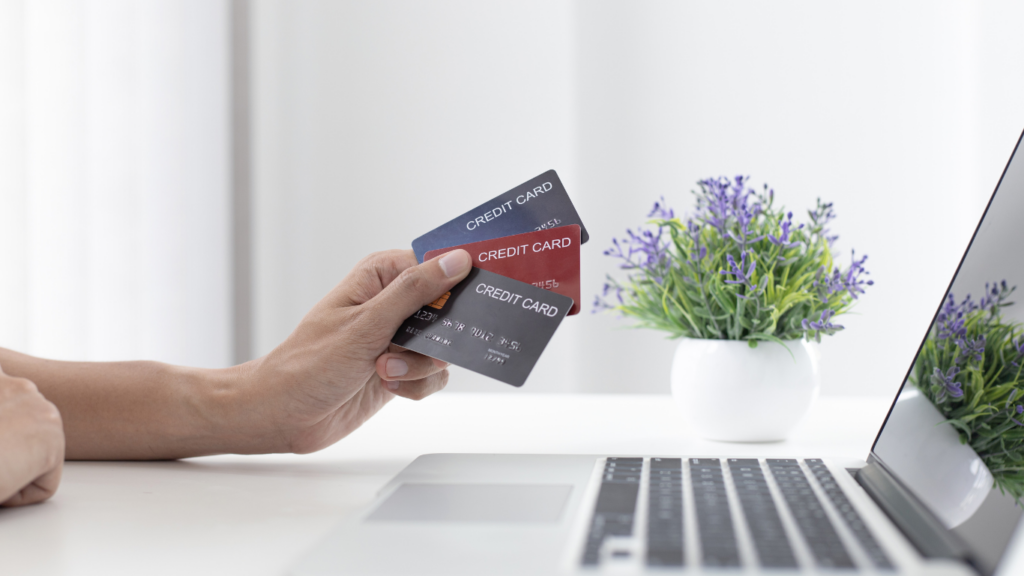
{"x":729,"y":391}
{"x":925,"y":452}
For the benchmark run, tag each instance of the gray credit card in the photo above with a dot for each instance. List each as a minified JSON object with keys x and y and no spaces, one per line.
{"x":488,"y":323}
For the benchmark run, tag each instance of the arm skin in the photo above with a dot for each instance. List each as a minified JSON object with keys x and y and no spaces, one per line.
{"x":336,"y":370}
{"x":139,"y":410}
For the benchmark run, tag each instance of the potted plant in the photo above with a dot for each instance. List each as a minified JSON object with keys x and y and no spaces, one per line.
{"x":750,"y":291}
{"x":971,"y":369}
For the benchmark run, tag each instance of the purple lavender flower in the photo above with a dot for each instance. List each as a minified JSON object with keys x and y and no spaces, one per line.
{"x":661,"y":210}
{"x":1017,"y":409}
{"x":827,"y":284}
{"x":610,"y":287}
{"x":821,"y":326}
{"x":823,"y":322}
{"x":699,"y":250}
{"x":713,"y":203}
{"x":950,"y":324}
{"x":1018,"y":347}
{"x":820,"y":217}
{"x":947,"y":383}
{"x":647,"y":250}
{"x":991,"y":296}
{"x":736,"y":270}
{"x":615,"y":250}
{"x":852,"y":281}
{"x":723,"y":201}
{"x":643,"y":249}
{"x":995,"y":296}
{"x":970,"y":349}
{"x":742,"y":235}
{"x":783,"y":238}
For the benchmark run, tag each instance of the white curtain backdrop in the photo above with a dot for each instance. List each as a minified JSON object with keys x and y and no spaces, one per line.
{"x":114,"y":180}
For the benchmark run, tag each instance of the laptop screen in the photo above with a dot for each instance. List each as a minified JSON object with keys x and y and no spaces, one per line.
{"x":955,"y":435}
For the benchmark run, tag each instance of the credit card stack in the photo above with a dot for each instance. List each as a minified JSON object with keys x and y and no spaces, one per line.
{"x":525,"y":246}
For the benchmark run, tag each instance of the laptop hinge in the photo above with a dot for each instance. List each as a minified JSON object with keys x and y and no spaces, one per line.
{"x":917,"y":523}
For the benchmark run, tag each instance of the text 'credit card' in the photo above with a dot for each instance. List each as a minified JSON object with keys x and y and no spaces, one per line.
{"x":490,"y":324}
{"x":537,"y":204}
{"x":548,"y":259}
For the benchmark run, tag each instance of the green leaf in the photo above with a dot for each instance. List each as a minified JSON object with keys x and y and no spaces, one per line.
{"x":769,"y":337}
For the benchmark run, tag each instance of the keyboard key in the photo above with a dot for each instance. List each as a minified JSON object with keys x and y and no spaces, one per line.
{"x":770,"y":541}
{"x":616,"y":505}
{"x":853,"y":520}
{"x":714,"y":522}
{"x":810,"y":516}
{"x":665,"y":513}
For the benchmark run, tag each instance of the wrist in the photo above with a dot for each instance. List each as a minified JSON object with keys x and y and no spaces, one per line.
{"x":228,"y":409}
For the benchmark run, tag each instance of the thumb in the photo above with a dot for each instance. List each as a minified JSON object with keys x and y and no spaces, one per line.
{"x":419,"y":285}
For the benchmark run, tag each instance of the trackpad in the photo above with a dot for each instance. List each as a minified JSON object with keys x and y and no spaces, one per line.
{"x":474,"y":503}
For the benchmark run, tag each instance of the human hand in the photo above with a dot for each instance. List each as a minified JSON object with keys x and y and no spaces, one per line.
{"x":31,"y":443}
{"x":339,"y":367}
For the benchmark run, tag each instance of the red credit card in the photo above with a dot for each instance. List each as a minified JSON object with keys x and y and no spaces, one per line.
{"x":548,"y":259}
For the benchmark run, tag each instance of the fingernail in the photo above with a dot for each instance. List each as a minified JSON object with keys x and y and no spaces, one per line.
{"x":455,"y":262}
{"x":395,"y":368}
{"x":392,"y":386}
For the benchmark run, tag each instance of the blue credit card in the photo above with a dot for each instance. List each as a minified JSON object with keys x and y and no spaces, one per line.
{"x":537,"y":204}
{"x":488,"y":323}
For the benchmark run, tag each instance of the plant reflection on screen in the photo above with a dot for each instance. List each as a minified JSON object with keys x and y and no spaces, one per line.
{"x":972,"y":369}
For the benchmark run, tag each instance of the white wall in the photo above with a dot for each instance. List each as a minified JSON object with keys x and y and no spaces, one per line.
{"x":13,"y":229}
{"x":114,"y":185}
{"x":903,"y":114}
{"x":376,"y":122}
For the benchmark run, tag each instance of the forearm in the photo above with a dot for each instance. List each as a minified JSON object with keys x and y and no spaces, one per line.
{"x":137,"y":410}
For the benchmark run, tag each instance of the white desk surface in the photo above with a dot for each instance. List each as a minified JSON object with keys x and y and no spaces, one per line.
{"x":255,"y":515}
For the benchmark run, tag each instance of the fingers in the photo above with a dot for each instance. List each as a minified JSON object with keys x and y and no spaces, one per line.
{"x":407,"y":366}
{"x":31,"y":443}
{"x":38,"y":491}
{"x":371,"y":275}
{"x":417,"y":286}
{"x":417,"y":389}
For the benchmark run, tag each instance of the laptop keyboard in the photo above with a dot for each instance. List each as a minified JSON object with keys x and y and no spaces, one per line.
{"x":616,"y":505}
{"x":849,"y":514}
{"x":718,"y":545}
{"x":716,"y":487}
{"x":807,"y":511}
{"x":665,"y":513}
{"x":770,"y":541}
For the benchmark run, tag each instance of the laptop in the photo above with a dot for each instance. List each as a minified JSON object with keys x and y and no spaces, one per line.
{"x":922,"y":503}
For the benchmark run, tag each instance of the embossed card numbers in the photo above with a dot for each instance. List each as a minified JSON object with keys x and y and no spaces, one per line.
{"x":489,"y":324}
{"x":525,"y":246}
